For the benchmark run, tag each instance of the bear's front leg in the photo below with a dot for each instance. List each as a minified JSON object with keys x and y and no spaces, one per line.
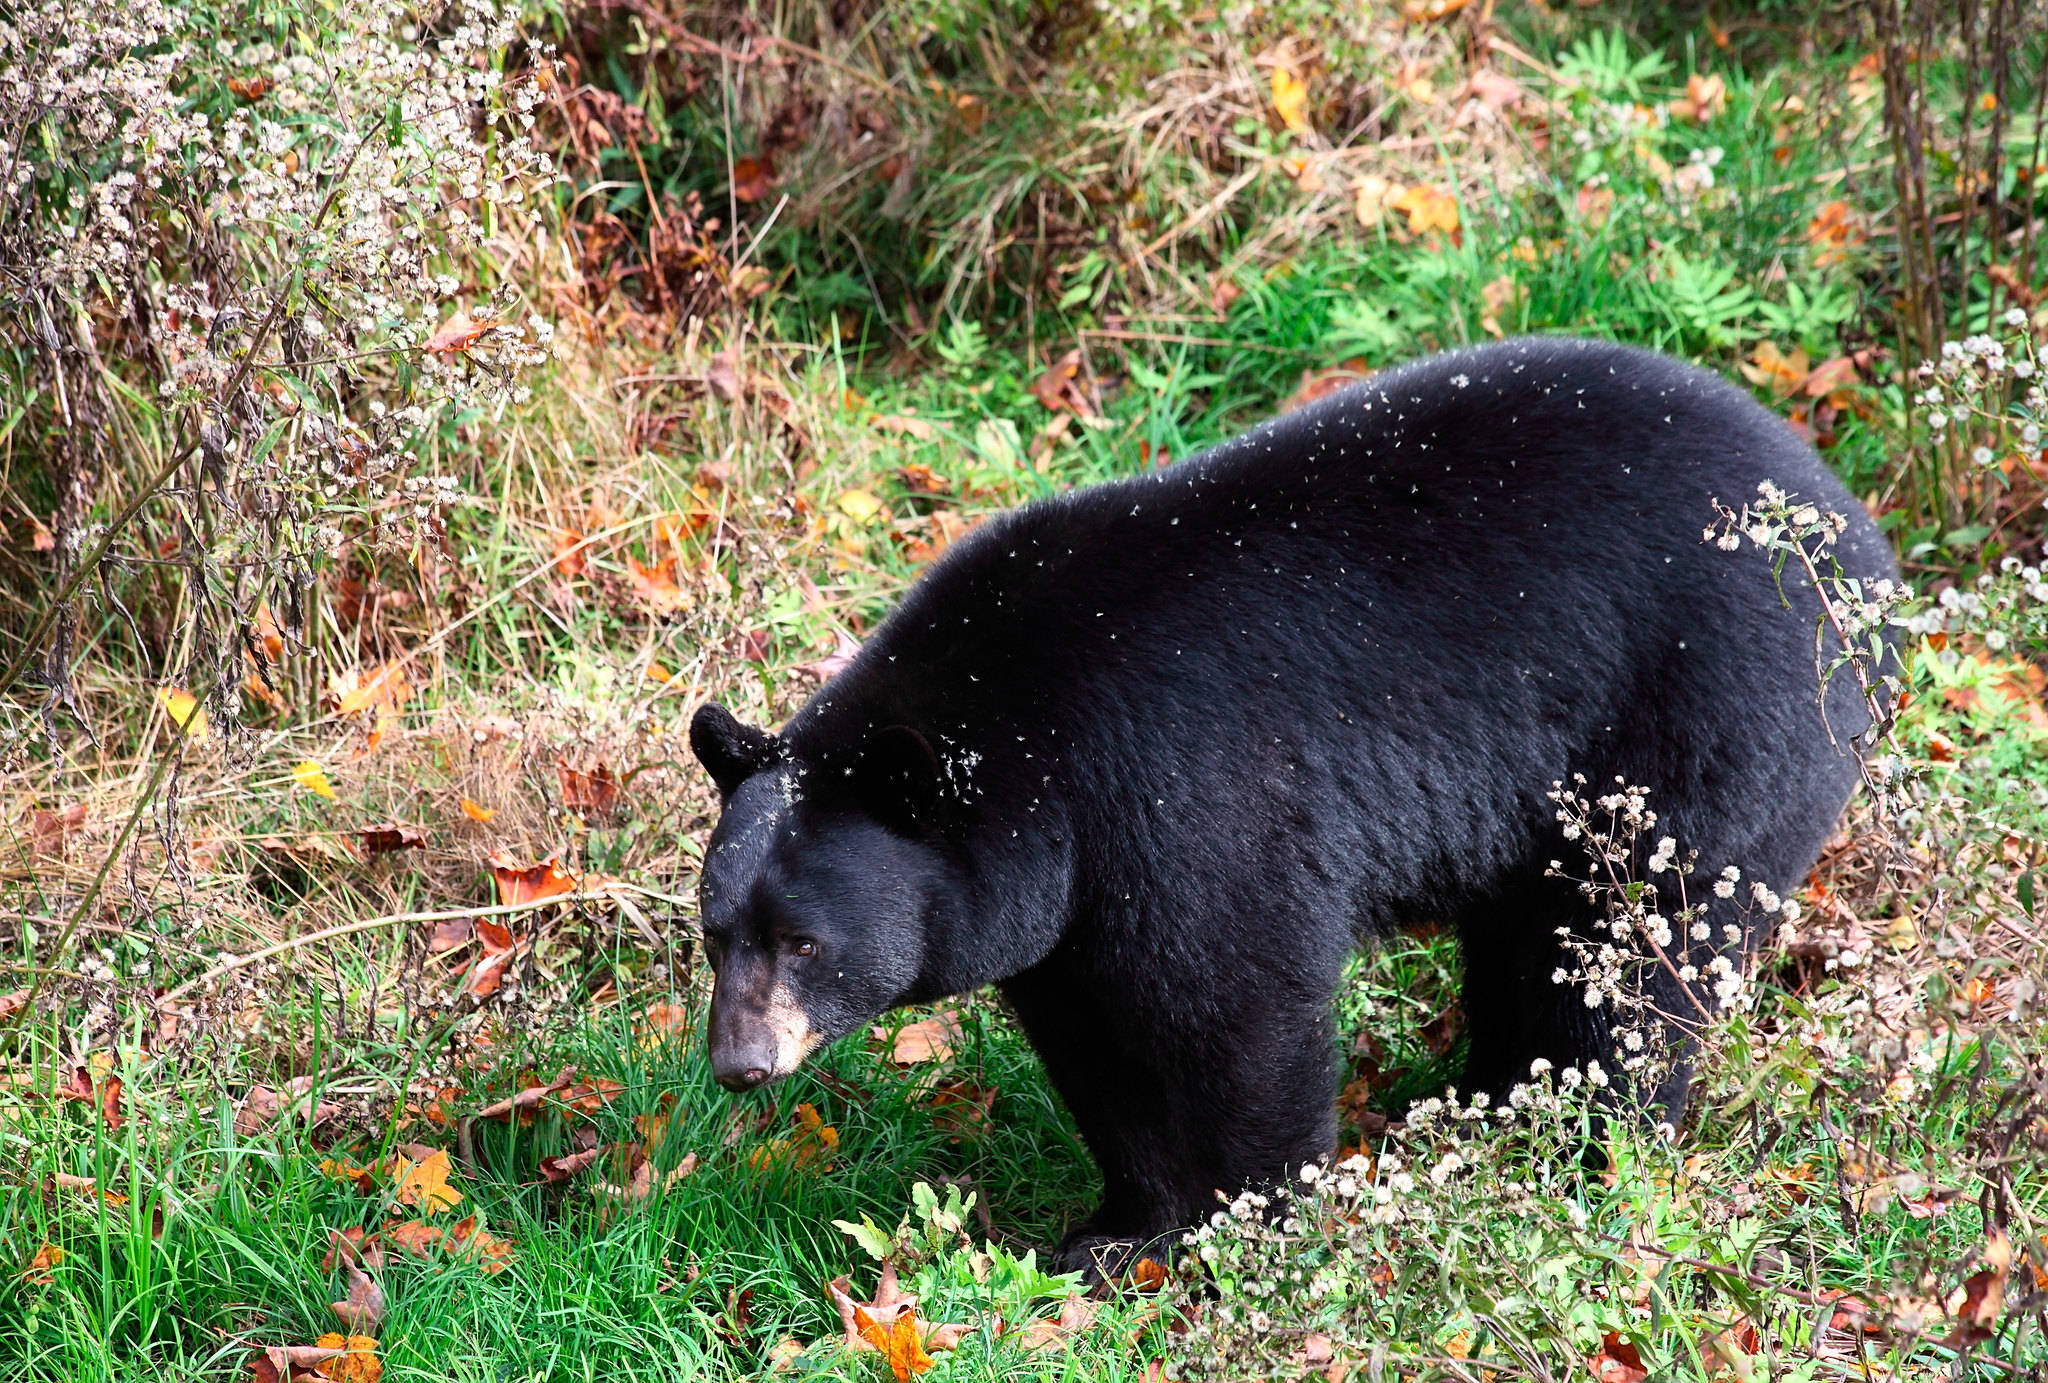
{"x":1183,"y":1097}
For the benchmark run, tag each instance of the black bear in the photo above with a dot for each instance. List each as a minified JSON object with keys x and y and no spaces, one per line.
{"x":1154,"y":756}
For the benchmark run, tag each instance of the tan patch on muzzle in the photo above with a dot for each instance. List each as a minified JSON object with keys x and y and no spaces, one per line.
{"x":794,"y":1039}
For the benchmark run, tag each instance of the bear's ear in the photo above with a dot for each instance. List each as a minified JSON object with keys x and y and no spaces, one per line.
{"x":730,"y":751}
{"x":897,"y":777}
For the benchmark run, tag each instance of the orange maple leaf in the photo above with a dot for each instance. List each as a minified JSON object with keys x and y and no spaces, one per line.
{"x":425,"y":1183}
{"x":527,"y":883}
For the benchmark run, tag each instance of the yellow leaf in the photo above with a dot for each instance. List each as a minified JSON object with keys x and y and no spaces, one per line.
{"x":313,"y":778}
{"x":359,"y":1365}
{"x":859,"y":505}
{"x":425,"y":1184}
{"x":476,"y":811}
{"x":185,"y":712}
{"x":378,"y":686}
{"x":1428,"y":208}
{"x":1290,"y":99}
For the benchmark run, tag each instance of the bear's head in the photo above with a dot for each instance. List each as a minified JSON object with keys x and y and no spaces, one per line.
{"x":820,"y":885}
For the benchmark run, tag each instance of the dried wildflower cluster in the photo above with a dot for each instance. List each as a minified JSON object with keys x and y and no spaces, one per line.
{"x":1669,"y":965}
{"x":1312,"y":1278}
{"x":245,"y":253}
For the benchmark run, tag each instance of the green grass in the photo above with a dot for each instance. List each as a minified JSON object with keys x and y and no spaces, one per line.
{"x":218,"y":1248}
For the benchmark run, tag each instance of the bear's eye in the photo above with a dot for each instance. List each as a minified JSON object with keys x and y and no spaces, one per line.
{"x":806,"y":948}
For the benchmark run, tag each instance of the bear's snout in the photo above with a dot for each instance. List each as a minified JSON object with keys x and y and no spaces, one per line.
{"x":756,"y":1037}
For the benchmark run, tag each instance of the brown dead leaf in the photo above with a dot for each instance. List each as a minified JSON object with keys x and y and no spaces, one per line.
{"x":928,"y":1039}
{"x":1316,"y":384}
{"x":1594,"y":204}
{"x":1059,"y":388}
{"x":656,"y":585}
{"x":556,"y":1170}
{"x":363,"y":1308}
{"x":1834,"y":229}
{"x":1783,"y":374}
{"x":1617,"y":1361}
{"x":591,"y":792}
{"x":1705,"y":97}
{"x":85,"y":1186}
{"x":37,"y":1273}
{"x":1076,"y":1315}
{"x":389,"y":836}
{"x":285,"y":1363}
{"x":906,"y":426}
{"x":753,"y":178}
{"x":448,"y":935}
{"x":1147,"y":1275}
{"x":250,"y":88}
{"x":529,"y":1099}
{"x":458,"y":334}
{"x":362,"y":688}
{"x":12,"y":1000}
{"x":1975,"y":1306}
{"x":844,"y":648}
{"x":518,"y":883}
{"x":493,"y":1254}
{"x":416,"y":1237}
{"x":568,"y":552}
{"x":961,"y":1109}
{"x":50,"y":832}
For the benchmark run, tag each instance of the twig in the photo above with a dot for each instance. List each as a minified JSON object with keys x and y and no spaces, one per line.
{"x":398,"y":918}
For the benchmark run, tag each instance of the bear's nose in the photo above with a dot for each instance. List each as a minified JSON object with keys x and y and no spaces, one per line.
{"x":745,"y":1079}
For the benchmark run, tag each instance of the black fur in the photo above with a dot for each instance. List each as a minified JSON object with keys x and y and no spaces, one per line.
{"x":1154,"y":756}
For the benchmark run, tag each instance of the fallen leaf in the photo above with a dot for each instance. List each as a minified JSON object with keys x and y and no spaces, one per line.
{"x":358,"y":1361}
{"x":1829,"y":376}
{"x":1705,"y":97}
{"x":285,"y":1363}
{"x":1371,"y":197}
{"x":458,"y":334}
{"x":528,"y":1099}
{"x":858,"y":505}
{"x":1832,"y":231}
{"x":362,"y":688}
{"x":961,"y":1109}
{"x":592,"y":792}
{"x":1428,"y":208}
{"x":1423,"y":11}
{"x":1975,"y":1306}
{"x":50,"y":832}
{"x":389,"y":836}
{"x":519,"y":883}
{"x":568,"y":551}
{"x":309,"y":775}
{"x":1594,"y":203}
{"x":1782,"y":373}
{"x":656,"y":585}
{"x":1316,"y":384}
{"x":888,"y":1325}
{"x":476,"y":811}
{"x":185,"y":712}
{"x":38,"y":1270}
{"x":416,"y":1237}
{"x":907,"y":426}
{"x":808,"y":1147}
{"x":1076,"y":1315}
{"x":363,"y":1307}
{"x":664,"y":1023}
{"x":449,"y":934}
{"x":844,"y":648}
{"x":1617,"y":1361}
{"x":723,"y":375}
{"x":1059,"y":386}
{"x":424,"y":1184}
{"x":556,"y":1170}
{"x":494,"y":1254}
{"x":1147,"y":1275}
{"x":85,"y":1186}
{"x":1290,"y":99}
{"x":753,"y":178}
{"x":250,"y":88}
{"x":12,"y":1000}
{"x":928,"y":1039}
